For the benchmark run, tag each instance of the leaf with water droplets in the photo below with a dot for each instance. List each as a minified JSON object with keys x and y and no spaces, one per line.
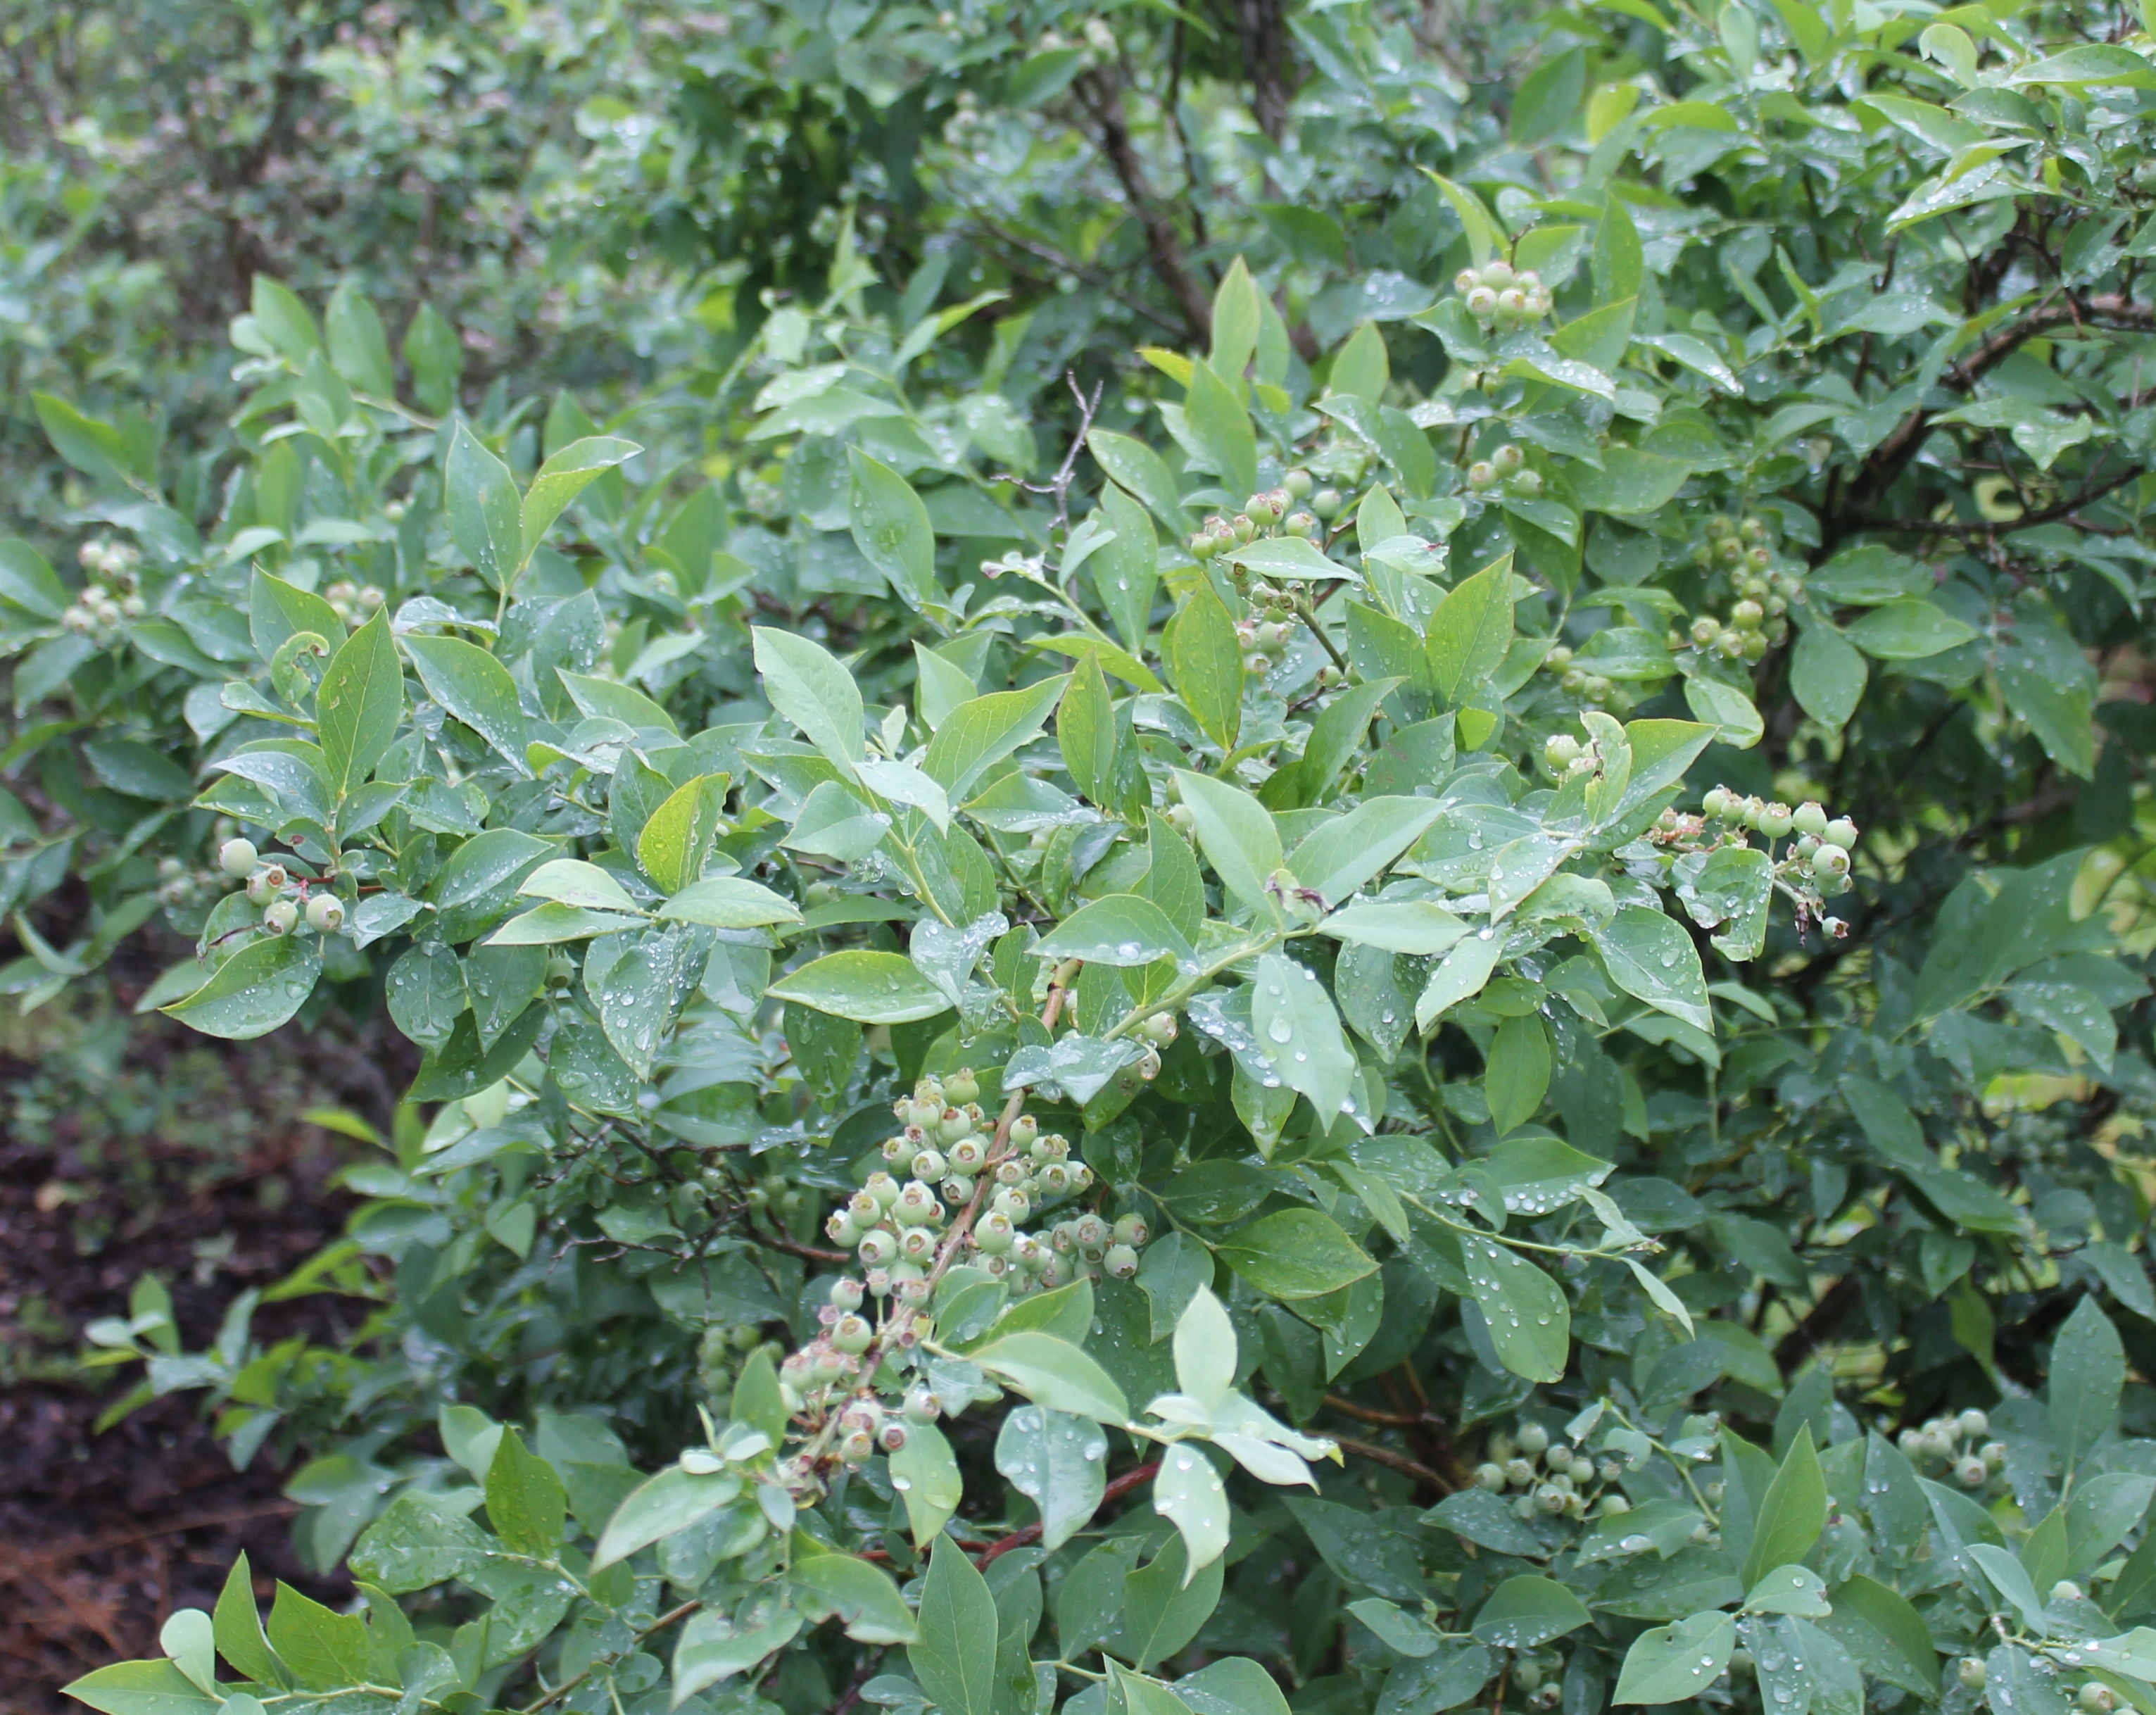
{"x":1530,"y":1322}
{"x":926,"y":1475}
{"x":1188,"y":1493}
{"x":1789,"y":1590}
{"x":1058,"y":1462}
{"x":1295,"y":1254}
{"x":1523,"y":1612}
{"x":1650,"y":957}
{"x":869,"y":988}
{"x":254,"y":991}
{"x":1466,"y":968}
{"x":1204,"y":1349}
{"x":1300,"y":1034}
{"x":1123,"y":929}
{"x":1668,"y":1664}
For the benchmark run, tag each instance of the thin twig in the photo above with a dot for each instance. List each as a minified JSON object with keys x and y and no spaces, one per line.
{"x":1031,"y":1533}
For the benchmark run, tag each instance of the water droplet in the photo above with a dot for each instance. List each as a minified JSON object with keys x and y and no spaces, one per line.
{"x":1281,"y":1030}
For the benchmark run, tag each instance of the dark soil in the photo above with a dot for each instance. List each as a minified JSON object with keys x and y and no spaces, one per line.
{"x":129,"y":1147}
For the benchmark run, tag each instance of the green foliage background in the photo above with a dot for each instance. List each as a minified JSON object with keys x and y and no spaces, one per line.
{"x":687,"y":540}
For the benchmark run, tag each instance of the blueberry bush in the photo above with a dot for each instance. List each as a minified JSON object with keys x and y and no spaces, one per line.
{"x":1378,"y":944}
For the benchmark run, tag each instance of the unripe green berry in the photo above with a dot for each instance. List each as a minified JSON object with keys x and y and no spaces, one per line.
{"x":1482,"y":304}
{"x":1973,"y":1423}
{"x":1498,"y":275}
{"x":1841,"y":832}
{"x":1970,"y":1671}
{"x":1971,"y":1472}
{"x":282,"y":917}
{"x":852,"y":1334}
{"x":325,"y":914}
{"x":1807,"y":818}
{"x":236,"y":858}
{"x":1121,"y":1261}
{"x":1491,"y":1477}
{"x":2066,"y":1591}
{"x":1747,"y":616}
{"x":1774,"y":820}
{"x":1705,"y":629}
{"x":1297,"y":482}
{"x":1508,"y":458}
{"x":1830,"y":861}
{"x":1532,"y":1437}
{"x":1481,"y":475}
{"x":1526,"y":484}
{"x":1715,"y":803}
{"x":1204,"y":545}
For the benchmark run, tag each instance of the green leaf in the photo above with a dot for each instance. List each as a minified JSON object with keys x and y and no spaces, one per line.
{"x":805,"y":682}
{"x":564,"y":476}
{"x":977,"y":735}
{"x":1086,"y":732}
{"x":481,"y":497}
{"x":2088,"y":1373}
{"x":1789,"y":1590}
{"x":1338,"y":857}
{"x":141,"y":1688}
{"x":1486,"y":239}
{"x":1133,"y":465}
{"x":1888,"y":1637}
{"x":954,"y":1659}
{"x":1462,"y":977}
{"x":1298,"y":1031}
{"x":1650,"y":957}
{"x":862,"y":1595}
{"x":1205,"y":659}
{"x":359,"y":349}
{"x":1547,"y":98}
{"x":258,"y":989}
{"x":1630,"y":484}
{"x":416,"y":1543}
{"x":891,"y":529}
{"x":1907,"y":631}
{"x":550,"y":924}
{"x":1295,"y":1254}
{"x":1054,"y":1374}
{"x":325,"y":1649}
{"x":238,"y":1626}
{"x":869,"y":988}
{"x":1221,"y":427}
{"x":730,"y":902}
{"x":1125,"y":570}
{"x":1470,"y":631}
{"x":475,"y":688}
{"x":1792,"y":1514}
{"x":1189,"y":1494}
{"x":678,"y":836}
{"x":1827,"y":675}
{"x":359,"y":703}
{"x":1517,"y":1075}
{"x":1058,"y":1462}
{"x":94,"y":447}
{"x":1525,"y":1612}
{"x":1727,"y":708}
{"x":1669,"y":1664}
{"x":524,"y":1498}
{"x":1122,"y":929}
{"x":657,"y":1508}
{"x":714,"y":1647}
{"x":572,"y":881}
{"x":1530,"y":1322}
{"x":278,"y":611}
{"x":1409,"y":925}
{"x":1238,"y":837}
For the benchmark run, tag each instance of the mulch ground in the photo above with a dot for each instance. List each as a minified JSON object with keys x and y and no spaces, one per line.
{"x":189,"y":1159}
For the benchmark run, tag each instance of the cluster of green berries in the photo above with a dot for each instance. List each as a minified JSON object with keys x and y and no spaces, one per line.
{"x":1576,"y":682}
{"x":1274,"y":513}
{"x":1547,"y":1479}
{"x":903,"y":1233}
{"x":111,"y":594}
{"x":1265,"y":635}
{"x":282,"y":898}
{"x":353,"y":603}
{"x":1758,"y":619}
{"x":1507,"y":466}
{"x":1955,"y":1441}
{"x":1822,"y":844}
{"x":1498,"y":296}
